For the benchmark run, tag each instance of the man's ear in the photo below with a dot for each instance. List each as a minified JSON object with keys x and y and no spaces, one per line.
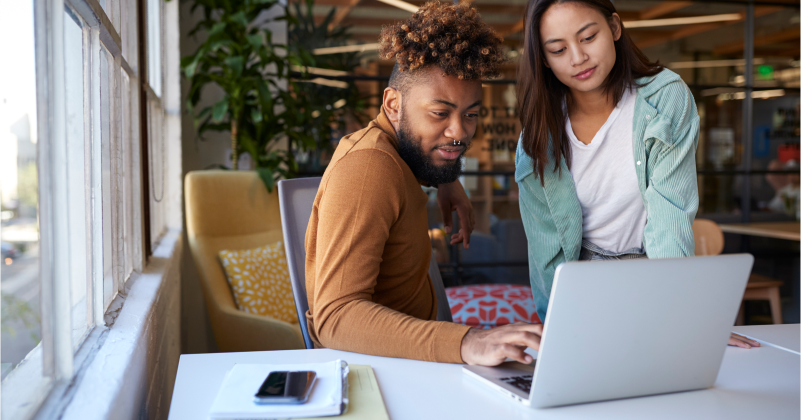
{"x":392,"y":105}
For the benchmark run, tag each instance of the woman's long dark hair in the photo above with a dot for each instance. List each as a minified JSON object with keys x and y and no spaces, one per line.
{"x":541,"y":96}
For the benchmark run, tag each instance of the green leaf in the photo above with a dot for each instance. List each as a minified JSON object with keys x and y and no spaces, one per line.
{"x":255,"y":115}
{"x":219,"y":110}
{"x":235,"y":63}
{"x":266,"y":175}
{"x":240,"y":18}
{"x":189,"y":70}
{"x":217,"y":28}
{"x":255,"y":40}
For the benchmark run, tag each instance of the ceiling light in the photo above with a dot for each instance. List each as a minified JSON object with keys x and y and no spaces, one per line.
{"x":345,"y":49}
{"x":758,"y":94}
{"x":720,"y":90}
{"x":401,"y":5}
{"x":711,"y":63}
{"x":682,"y":21}
{"x":317,"y":70}
{"x":325,"y":82}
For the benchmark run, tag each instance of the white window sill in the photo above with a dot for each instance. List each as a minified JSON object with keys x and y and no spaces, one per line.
{"x":115,"y":366}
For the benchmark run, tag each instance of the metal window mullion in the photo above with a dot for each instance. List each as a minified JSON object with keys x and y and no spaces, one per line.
{"x":748,"y":115}
{"x":96,"y":178}
{"x":137,"y":177}
{"x":96,"y":17}
{"x":127,"y":211}
{"x":52,"y":167}
{"x":87,"y":133}
{"x":115,"y":154}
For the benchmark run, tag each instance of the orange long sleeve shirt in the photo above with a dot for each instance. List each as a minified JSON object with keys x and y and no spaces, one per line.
{"x":367,"y":256}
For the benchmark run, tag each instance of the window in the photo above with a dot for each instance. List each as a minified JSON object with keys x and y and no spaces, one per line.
{"x":79,"y":158}
{"x":19,"y":232}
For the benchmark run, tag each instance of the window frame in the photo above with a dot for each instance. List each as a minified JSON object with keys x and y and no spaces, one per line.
{"x":41,"y":380}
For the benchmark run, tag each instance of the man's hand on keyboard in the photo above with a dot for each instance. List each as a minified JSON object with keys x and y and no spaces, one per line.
{"x":492,"y":347}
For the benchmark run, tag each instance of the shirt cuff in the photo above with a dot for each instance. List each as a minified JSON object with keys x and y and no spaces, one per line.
{"x":448,"y":347}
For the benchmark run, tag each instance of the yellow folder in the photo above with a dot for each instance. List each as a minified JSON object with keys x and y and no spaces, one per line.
{"x":365,"y":401}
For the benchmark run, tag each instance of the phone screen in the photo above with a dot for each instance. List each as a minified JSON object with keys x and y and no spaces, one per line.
{"x":286,"y":387}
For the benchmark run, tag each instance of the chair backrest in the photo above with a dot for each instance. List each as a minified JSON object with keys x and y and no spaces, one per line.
{"x":296,"y":198}
{"x":227,"y":210}
{"x":708,"y":237}
{"x":443,"y":307}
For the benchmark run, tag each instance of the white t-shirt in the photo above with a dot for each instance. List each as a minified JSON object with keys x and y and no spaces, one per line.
{"x":606,"y":181}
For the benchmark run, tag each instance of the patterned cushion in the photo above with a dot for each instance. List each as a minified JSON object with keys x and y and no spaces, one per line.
{"x":260,"y":282}
{"x":490,"y":305}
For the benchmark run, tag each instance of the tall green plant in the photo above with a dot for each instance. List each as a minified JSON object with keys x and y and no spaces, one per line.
{"x":329,"y":104}
{"x":258,"y":107}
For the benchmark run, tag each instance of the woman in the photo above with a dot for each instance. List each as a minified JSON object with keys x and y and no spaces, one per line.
{"x":606,"y":159}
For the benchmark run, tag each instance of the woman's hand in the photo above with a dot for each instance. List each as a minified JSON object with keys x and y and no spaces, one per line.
{"x":452,"y":197}
{"x":740,"y":341}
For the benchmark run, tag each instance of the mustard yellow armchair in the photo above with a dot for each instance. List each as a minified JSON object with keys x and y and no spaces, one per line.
{"x":233,"y":210}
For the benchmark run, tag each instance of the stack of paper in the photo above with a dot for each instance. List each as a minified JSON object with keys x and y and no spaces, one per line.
{"x":235,"y":400}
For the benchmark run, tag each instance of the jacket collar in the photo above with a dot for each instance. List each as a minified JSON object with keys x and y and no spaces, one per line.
{"x":651,"y":85}
{"x":382,"y":121}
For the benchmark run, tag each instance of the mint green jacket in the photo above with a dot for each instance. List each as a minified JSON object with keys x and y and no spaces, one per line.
{"x":665,"y":136}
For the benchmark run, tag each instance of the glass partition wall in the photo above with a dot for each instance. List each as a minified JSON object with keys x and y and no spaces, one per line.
{"x":741,"y":62}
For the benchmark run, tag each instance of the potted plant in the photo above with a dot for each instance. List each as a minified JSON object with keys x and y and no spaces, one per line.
{"x":261,"y":104}
{"x":332,"y":103}
{"x":257,"y":107}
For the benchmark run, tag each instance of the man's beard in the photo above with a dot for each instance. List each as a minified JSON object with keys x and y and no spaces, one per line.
{"x":423,"y":167}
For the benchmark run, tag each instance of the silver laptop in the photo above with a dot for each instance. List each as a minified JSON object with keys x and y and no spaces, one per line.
{"x":619,"y":329}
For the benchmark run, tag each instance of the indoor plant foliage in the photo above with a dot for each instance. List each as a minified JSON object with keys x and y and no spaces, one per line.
{"x":329,"y":105}
{"x":258,"y":106}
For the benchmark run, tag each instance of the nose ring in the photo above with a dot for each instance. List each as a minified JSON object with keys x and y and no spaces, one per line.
{"x":457,"y":143}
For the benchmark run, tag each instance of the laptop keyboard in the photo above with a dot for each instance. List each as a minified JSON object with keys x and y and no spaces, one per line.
{"x":522,"y":382}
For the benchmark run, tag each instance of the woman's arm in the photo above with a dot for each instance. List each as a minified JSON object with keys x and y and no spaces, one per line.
{"x":671,"y":198}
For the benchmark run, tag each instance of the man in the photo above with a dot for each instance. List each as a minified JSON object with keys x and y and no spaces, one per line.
{"x":367,"y":243}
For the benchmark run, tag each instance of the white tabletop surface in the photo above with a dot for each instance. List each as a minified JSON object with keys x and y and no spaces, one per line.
{"x":752,"y":384}
{"x":786,"y":336}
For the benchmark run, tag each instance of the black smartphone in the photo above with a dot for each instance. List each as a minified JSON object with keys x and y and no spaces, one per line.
{"x":286,"y":387}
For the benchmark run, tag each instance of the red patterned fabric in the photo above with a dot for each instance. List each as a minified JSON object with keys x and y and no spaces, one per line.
{"x":490,"y":305}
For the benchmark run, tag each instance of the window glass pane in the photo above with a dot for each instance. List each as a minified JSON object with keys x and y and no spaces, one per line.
{"x":720,"y":145}
{"x":154,"y":45}
{"x":19,"y":230}
{"x":158,"y":160}
{"x":76,"y":175}
{"x":776,"y":129}
{"x":106,"y":102}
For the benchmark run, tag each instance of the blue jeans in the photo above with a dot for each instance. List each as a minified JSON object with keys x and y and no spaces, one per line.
{"x":592,"y":252}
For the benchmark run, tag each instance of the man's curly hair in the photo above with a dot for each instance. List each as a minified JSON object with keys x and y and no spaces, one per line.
{"x":451,"y":36}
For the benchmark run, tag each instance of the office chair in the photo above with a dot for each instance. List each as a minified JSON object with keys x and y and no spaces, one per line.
{"x":296,"y":198}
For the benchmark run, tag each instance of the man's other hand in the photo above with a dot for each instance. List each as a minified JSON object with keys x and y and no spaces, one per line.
{"x":452,"y":197}
{"x":492,"y":347}
{"x":738,"y":340}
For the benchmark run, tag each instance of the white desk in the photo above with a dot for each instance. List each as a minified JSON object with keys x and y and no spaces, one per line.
{"x":787,"y":336}
{"x":752,"y":384}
